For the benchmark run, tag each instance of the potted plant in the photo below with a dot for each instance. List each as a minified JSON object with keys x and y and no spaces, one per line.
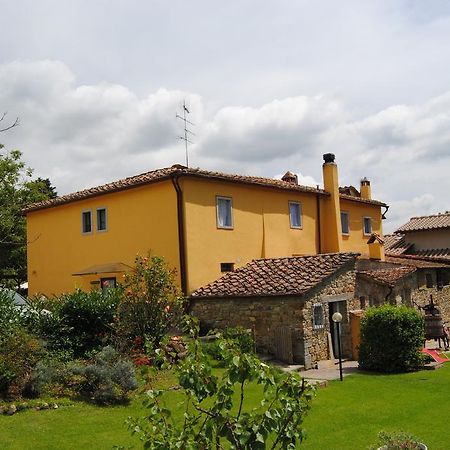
{"x":398,"y":441}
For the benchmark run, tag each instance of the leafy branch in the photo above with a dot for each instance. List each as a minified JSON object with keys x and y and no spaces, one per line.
{"x":216,"y":415}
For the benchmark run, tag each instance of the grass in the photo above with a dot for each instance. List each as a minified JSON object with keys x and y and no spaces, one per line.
{"x":350,"y":414}
{"x":345,"y":415}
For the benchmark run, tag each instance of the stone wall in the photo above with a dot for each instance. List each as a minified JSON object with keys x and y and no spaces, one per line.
{"x":316,"y":341}
{"x":441,"y":298}
{"x":373,"y":293}
{"x":268,"y":315}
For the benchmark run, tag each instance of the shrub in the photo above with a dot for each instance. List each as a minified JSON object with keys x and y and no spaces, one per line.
{"x":397,"y":441}
{"x":77,"y":323}
{"x":391,"y":339}
{"x":109,"y":378}
{"x":151,"y":304}
{"x":19,"y":353}
{"x":42,"y":375}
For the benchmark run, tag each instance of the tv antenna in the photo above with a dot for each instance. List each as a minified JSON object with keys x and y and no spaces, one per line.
{"x":187,"y":132}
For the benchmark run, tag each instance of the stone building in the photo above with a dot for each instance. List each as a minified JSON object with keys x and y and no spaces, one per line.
{"x":287,"y":302}
{"x":407,"y":279}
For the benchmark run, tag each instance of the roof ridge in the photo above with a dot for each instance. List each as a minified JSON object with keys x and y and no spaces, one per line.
{"x":446,"y":213}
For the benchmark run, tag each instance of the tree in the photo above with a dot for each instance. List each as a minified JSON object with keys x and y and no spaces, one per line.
{"x":17,"y":190}
{"x":8,"y":127}
{"x":217,"y":412}
{"x":152,"y":302}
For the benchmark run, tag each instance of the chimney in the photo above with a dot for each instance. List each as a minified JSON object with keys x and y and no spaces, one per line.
{"x":331,"y":224}
{"x":290,"y":177}
{"x":365,"y":189}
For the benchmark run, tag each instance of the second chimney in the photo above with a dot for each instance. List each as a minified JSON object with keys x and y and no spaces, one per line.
{"x":365,"y":189}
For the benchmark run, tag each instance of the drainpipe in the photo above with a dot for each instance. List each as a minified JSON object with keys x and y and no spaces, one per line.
{"x":319,"y":231}
{"x":180,"y":217}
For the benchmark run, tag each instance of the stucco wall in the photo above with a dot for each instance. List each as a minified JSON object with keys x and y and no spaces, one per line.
{"x":138,"y":220}
{"x":424,"y":240}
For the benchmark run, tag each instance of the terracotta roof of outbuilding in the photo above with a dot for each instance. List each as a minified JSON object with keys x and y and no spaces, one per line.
{"x":277,"y":276}
{"x":395,"y":244}
{"x":412,"y":260}
{"x":388,"y":276}
{"x":436,"y":253}
{"x":434,"y":222}
{"x":179,"y":170}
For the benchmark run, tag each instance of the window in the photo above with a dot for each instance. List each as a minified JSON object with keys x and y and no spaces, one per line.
{"x":101,"y":219}
{"x":318,"y":319}
{"x":367,"y":225}
{"x":86,"y":222}
{"x":344,"y":222}
{"x":295,"y":214}
{"x":226,"y":267}
{"x":107,"y":283}
{"x":224,"y":212}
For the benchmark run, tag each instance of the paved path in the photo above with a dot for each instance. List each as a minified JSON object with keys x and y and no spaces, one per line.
{"x":330,"y":373}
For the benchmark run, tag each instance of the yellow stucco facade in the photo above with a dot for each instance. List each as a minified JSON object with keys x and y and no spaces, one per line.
{"x":184,"y":227}
{"x":138,"y":220}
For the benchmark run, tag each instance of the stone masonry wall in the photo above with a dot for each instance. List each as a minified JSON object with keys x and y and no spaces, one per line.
{"x":316,"y":340}
{"x":441,"y":298}
{"x":266,"y":315}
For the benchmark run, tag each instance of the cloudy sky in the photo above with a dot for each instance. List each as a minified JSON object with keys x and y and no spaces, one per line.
{"x":271,"y":86}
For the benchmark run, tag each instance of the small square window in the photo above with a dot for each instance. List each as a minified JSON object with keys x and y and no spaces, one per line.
{"x":318,"y":318}
{"x":295,"y":214}
{"x":86,"y":222}
{"x":344,"y":222}
{"x":101,"y":219}
{"x":367,"y":225}
{"x":224,"y":212}
{"x":226,"y":267}
{"x":108,"y":283}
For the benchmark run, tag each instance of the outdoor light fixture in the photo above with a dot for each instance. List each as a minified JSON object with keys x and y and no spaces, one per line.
{"x":337,"y":319}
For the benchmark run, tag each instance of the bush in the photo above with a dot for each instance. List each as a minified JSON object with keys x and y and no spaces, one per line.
{"x":77,"y":323}
{"x":19,"y":353}
{"x":109,"y":378}
{"x":391,"y":339}
{"x":151,"y":304}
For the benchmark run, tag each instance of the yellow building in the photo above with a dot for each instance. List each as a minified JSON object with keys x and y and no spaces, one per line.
{"x":204,"y":223}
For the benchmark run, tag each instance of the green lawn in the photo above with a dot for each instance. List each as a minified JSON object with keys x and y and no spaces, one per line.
{"x":345,"y":415}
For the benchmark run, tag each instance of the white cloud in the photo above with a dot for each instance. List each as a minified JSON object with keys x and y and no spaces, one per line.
{"x":84,"y":135}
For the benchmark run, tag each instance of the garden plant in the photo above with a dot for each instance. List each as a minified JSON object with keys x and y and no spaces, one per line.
{"x":216,"y":414}
{"x":391,"y":339}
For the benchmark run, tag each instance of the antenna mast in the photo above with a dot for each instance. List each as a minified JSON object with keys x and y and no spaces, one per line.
{"x":186,"y":130}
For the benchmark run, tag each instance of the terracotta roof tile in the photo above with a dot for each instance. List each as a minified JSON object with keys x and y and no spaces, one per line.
{"x":395,"y":244}
{"x":165,"y":173}
{"x":361,"y":200}
{"x":443,"y":253}
{"x":419,"y":261}
{"x":276,"y":276}
{"x":434,"y":222}
{"x":388,"y":276}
